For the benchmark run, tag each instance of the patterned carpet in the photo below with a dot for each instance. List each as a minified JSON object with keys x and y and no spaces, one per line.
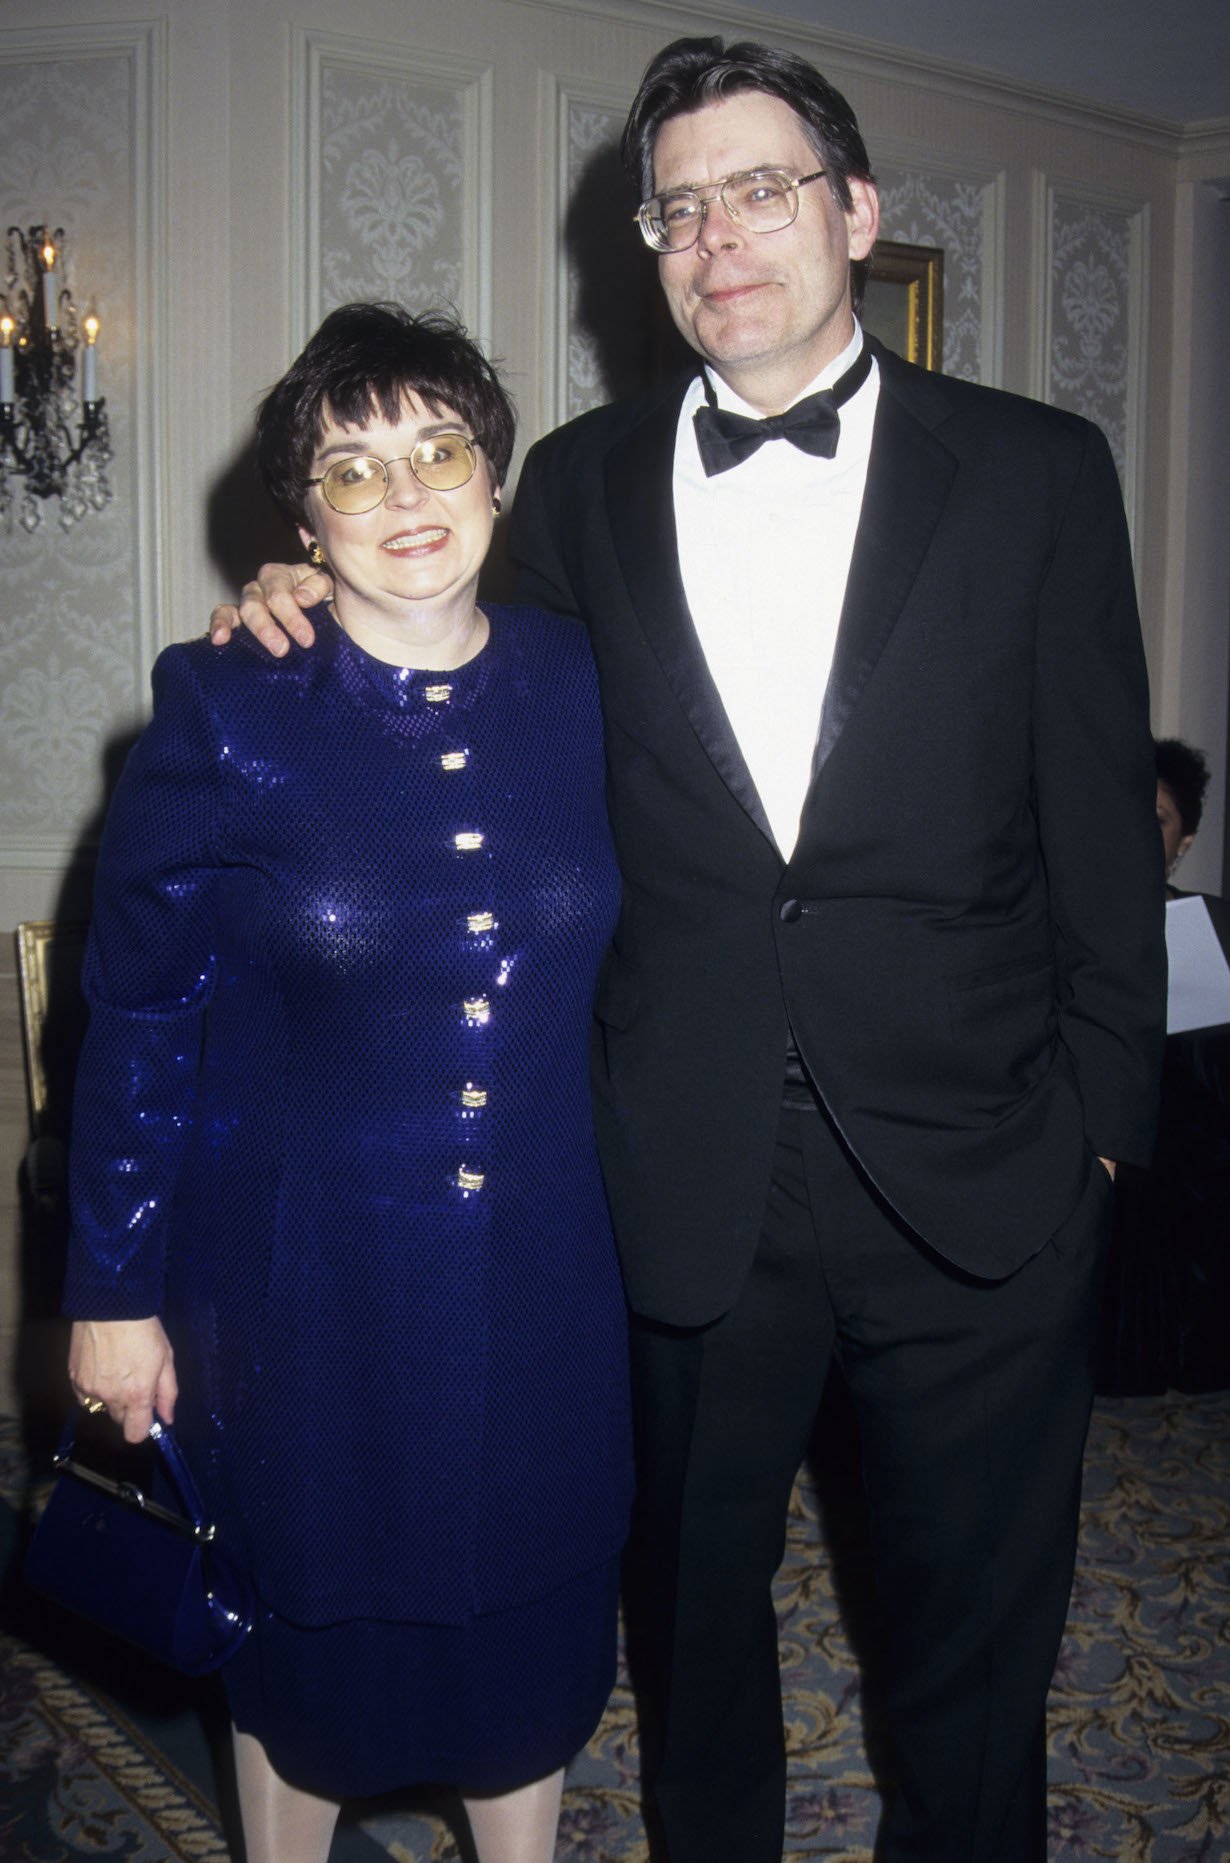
{"x":99,"y":1758}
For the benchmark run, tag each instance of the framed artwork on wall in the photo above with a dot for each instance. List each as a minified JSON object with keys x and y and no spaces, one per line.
{"x":903,"y":303}
{"x":53,"y":1016}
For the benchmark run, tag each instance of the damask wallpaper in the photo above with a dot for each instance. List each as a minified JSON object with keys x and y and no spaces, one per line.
{"x":390,"y":190}
{"x":71,"y":672}
{"x":1092,"y":342}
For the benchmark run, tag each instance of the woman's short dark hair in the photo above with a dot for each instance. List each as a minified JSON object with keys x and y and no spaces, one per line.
{"x":690,"y":73}
{"x":364,"y":358}
{"x":1185,"y":773}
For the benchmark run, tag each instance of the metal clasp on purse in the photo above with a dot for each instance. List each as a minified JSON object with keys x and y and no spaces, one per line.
{"x":202,"y":1531}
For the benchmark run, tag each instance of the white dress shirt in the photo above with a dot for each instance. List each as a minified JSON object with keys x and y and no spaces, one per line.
{"x":764,"y":552}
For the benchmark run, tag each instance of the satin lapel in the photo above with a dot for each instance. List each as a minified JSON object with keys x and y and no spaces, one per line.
{"x":907,"y":487}
{"x":641,"y":506}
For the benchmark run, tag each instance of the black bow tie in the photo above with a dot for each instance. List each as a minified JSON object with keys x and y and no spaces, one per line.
{"x":724,"y":438}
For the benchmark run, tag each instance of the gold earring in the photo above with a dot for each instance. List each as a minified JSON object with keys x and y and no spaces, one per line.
{"x":316,"y":556}
{"x":495,"y":504}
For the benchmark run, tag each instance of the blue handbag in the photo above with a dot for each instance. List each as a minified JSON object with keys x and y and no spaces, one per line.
{"x":150,"y":1573}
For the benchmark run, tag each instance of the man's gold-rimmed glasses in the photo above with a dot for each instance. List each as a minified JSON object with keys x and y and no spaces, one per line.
{"x":764,"y":200}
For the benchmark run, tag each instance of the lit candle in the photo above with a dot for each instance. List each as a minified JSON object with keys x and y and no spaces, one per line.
{"x":51,"y":287}
{"x":89,"y":359}
{"x":6,"y":359}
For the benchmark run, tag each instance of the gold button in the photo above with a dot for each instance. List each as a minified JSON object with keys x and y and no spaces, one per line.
{"x":473,"y":1096}
{"x":476,"y":1009}
{"x":480,"y":921}
{"x":437,"y":695}
{"x":470,"y":1180}
{"x":468,"y":842}
{"x":454,"y":759}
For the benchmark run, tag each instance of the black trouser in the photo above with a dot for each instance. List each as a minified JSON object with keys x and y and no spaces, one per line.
{"x":973,"y":1402}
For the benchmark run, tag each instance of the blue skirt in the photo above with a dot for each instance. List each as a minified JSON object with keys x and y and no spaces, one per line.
{"x":365,"y":1707}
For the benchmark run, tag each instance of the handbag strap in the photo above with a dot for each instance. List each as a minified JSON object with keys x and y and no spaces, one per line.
{"x":175,"y":1464}
{"x":177,"y":1467}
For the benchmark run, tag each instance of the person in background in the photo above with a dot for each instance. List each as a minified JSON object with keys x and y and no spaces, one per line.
{"x":1182,"y":779}
{"x":1168,"y":1277}
{"x":884,"y":1005}
{"x":335,"y":1195}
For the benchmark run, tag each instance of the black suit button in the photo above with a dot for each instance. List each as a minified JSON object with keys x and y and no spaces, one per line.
{"x":789,"y":911}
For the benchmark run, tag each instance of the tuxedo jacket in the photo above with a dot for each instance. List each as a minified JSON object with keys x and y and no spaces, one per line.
{"x":967,"y":941}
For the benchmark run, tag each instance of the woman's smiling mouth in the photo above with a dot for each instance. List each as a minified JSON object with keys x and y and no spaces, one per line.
{"x":407,"y":542}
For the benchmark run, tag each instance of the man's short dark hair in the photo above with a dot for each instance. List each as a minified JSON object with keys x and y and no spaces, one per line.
{"x":1185,"y":773}
{"x":365,"y":358}
{"x":690,"y":73}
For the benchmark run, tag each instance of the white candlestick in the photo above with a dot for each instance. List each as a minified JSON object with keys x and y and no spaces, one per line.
{"x":89,"y":360}
{"x":51,"y":295}
{"x":6,"y":361}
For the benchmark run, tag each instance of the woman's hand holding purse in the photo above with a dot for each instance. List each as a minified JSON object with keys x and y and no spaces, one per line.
{"x":128,"y":1367}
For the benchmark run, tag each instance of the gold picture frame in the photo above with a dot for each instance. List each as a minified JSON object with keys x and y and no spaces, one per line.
{"x":49,"y":960}
{"x":903,"y":304}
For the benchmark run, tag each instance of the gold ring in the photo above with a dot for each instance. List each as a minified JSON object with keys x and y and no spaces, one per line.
{"x":93,"y":1405}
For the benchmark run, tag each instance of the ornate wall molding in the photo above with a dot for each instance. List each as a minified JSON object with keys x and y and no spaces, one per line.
{"x":845,"y":56}
{"x":1205,"y":150}
{"x":85,"y":137}
{"x":392,"y":164}
{"x":1091,"y":279}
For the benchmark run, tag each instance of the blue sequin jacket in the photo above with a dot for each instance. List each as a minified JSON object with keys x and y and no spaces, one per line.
{"x":332,"y":1117}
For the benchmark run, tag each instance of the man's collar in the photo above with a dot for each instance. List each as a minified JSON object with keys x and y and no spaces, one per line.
{"x":725,"y":396}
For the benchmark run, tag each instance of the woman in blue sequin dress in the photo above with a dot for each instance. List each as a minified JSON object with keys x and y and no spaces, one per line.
{"x":336,"y":1201}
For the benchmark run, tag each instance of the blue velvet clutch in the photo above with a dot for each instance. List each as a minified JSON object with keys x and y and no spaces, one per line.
{"x":149,"y":1572}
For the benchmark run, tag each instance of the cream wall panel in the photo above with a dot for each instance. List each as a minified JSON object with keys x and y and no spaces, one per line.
{"x":587,"y":119}
{"x":82,"y":149}
{"x":1091,"y":279}
{"x":925,"y":203}
{"x":391,"y":166}
{"x":607,"y":331}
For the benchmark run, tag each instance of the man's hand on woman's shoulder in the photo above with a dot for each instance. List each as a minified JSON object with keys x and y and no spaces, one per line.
{"x":272,"y":607}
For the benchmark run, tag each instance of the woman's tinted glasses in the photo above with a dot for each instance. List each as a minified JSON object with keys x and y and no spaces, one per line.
{"x":360,"y":481}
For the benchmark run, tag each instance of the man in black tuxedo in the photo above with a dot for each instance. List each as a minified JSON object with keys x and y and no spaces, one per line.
{"x":885,"y":1002}
{"x":888,"y":980}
